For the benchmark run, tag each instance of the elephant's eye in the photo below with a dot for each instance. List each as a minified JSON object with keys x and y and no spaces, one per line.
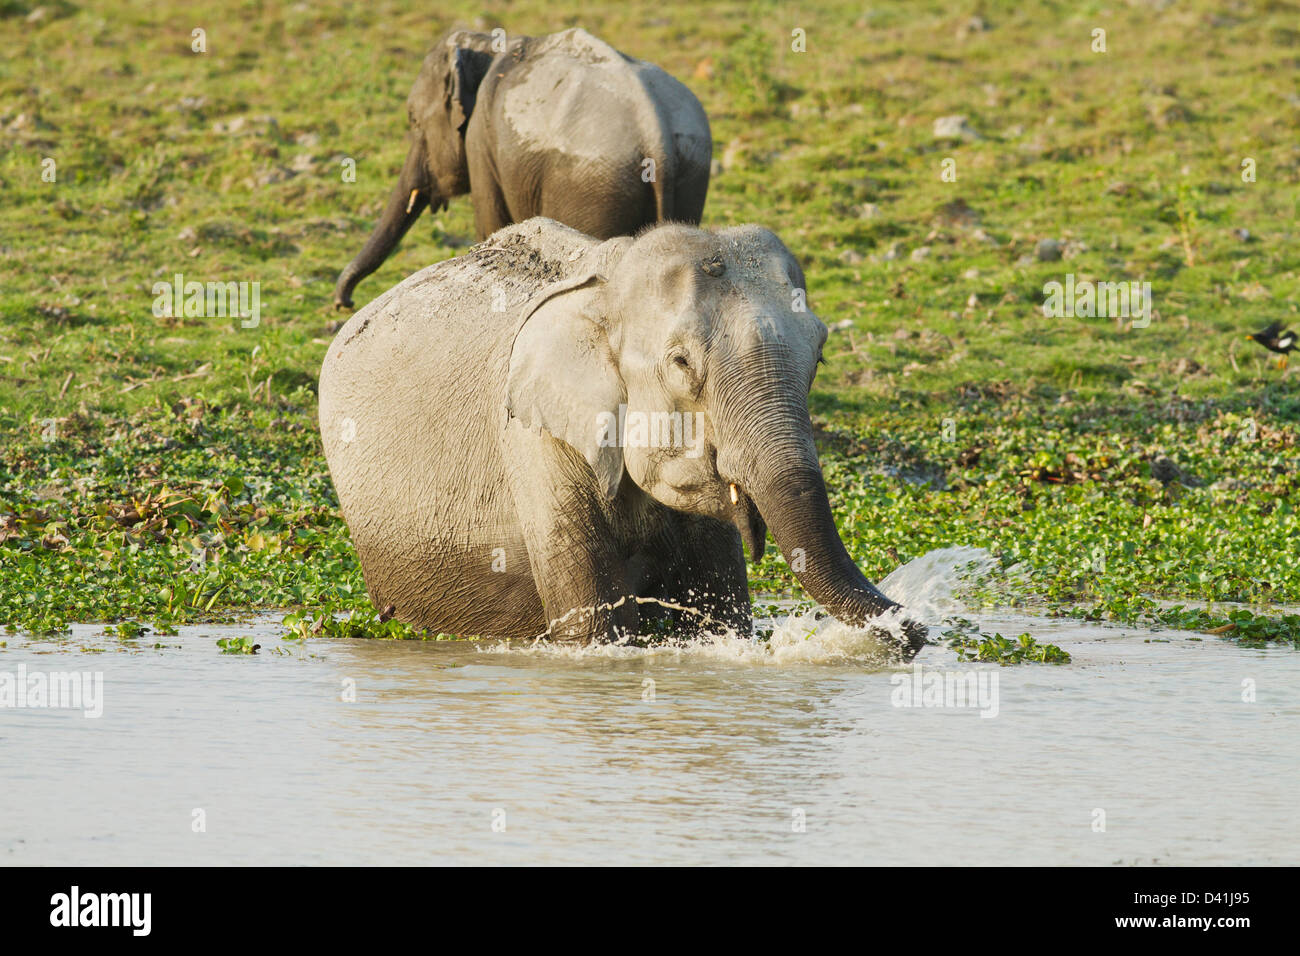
{"x":693,"y":380}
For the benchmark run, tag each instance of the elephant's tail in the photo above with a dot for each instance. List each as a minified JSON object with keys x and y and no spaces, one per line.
{"x":663,"y":190}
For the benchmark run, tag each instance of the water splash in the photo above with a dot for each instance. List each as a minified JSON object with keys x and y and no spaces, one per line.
{"x":928,"y":587}
{"x":814,"y":637}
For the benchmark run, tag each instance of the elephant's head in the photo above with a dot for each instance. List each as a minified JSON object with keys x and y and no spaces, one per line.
{"x":439,"y":109}
{"x":711,"y":329}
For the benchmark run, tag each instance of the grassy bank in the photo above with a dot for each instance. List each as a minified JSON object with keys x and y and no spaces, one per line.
{"x":162,"y":469}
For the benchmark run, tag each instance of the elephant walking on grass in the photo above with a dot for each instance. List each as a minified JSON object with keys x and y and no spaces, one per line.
{"x":562,"y":126}
{"x":541,"y":434}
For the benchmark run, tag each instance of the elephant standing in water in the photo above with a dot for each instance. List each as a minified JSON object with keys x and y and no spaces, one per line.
{"x":531,"y":437}
{"x":562,"y":126}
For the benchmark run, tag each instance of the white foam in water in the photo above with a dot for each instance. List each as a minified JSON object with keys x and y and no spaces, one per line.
{"x":803,"y":638}
{"x":927,"y":587}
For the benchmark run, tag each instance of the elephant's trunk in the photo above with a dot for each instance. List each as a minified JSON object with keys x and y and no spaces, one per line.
{"x":409,"y":198}
{"x":784,"y":482}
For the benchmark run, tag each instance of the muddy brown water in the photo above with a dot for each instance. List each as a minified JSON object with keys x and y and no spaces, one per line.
{"x":1149,"y":748}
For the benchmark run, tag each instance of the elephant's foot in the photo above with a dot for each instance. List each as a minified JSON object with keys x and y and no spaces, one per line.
{"x":914,"y":637}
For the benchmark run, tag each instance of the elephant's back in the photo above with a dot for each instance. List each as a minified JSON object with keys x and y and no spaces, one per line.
{"x":573,"y":93}
{"x":442,"y":336}
{"x":421,"y":331}
{"x":599,"y":117}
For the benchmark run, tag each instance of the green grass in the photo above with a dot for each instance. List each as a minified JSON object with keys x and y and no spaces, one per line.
{"x":162,"y":470}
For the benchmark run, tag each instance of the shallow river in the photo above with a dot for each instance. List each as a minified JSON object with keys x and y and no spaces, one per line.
{"x":1141,"y":751}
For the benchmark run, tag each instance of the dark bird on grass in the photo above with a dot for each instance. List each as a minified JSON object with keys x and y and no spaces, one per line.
{"x":1275,"y":340}
{"x":1165,"y":471}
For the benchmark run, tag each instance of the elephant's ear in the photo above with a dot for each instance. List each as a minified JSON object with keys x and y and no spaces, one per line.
{"x":465,"y":73}
{"x":564,"y":378}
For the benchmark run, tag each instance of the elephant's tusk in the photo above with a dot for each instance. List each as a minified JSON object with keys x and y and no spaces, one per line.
{"x":410,"y":203}
{"x":735,"y":498}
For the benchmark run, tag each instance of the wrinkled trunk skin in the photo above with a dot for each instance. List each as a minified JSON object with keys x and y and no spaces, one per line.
{"x":797,"y":512}
{"x":392,"y":224}
{"x":783,"y":479}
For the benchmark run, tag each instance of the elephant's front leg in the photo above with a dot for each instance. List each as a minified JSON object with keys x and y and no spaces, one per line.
{"x":576,"y":564}
{"x":705,"y":571}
